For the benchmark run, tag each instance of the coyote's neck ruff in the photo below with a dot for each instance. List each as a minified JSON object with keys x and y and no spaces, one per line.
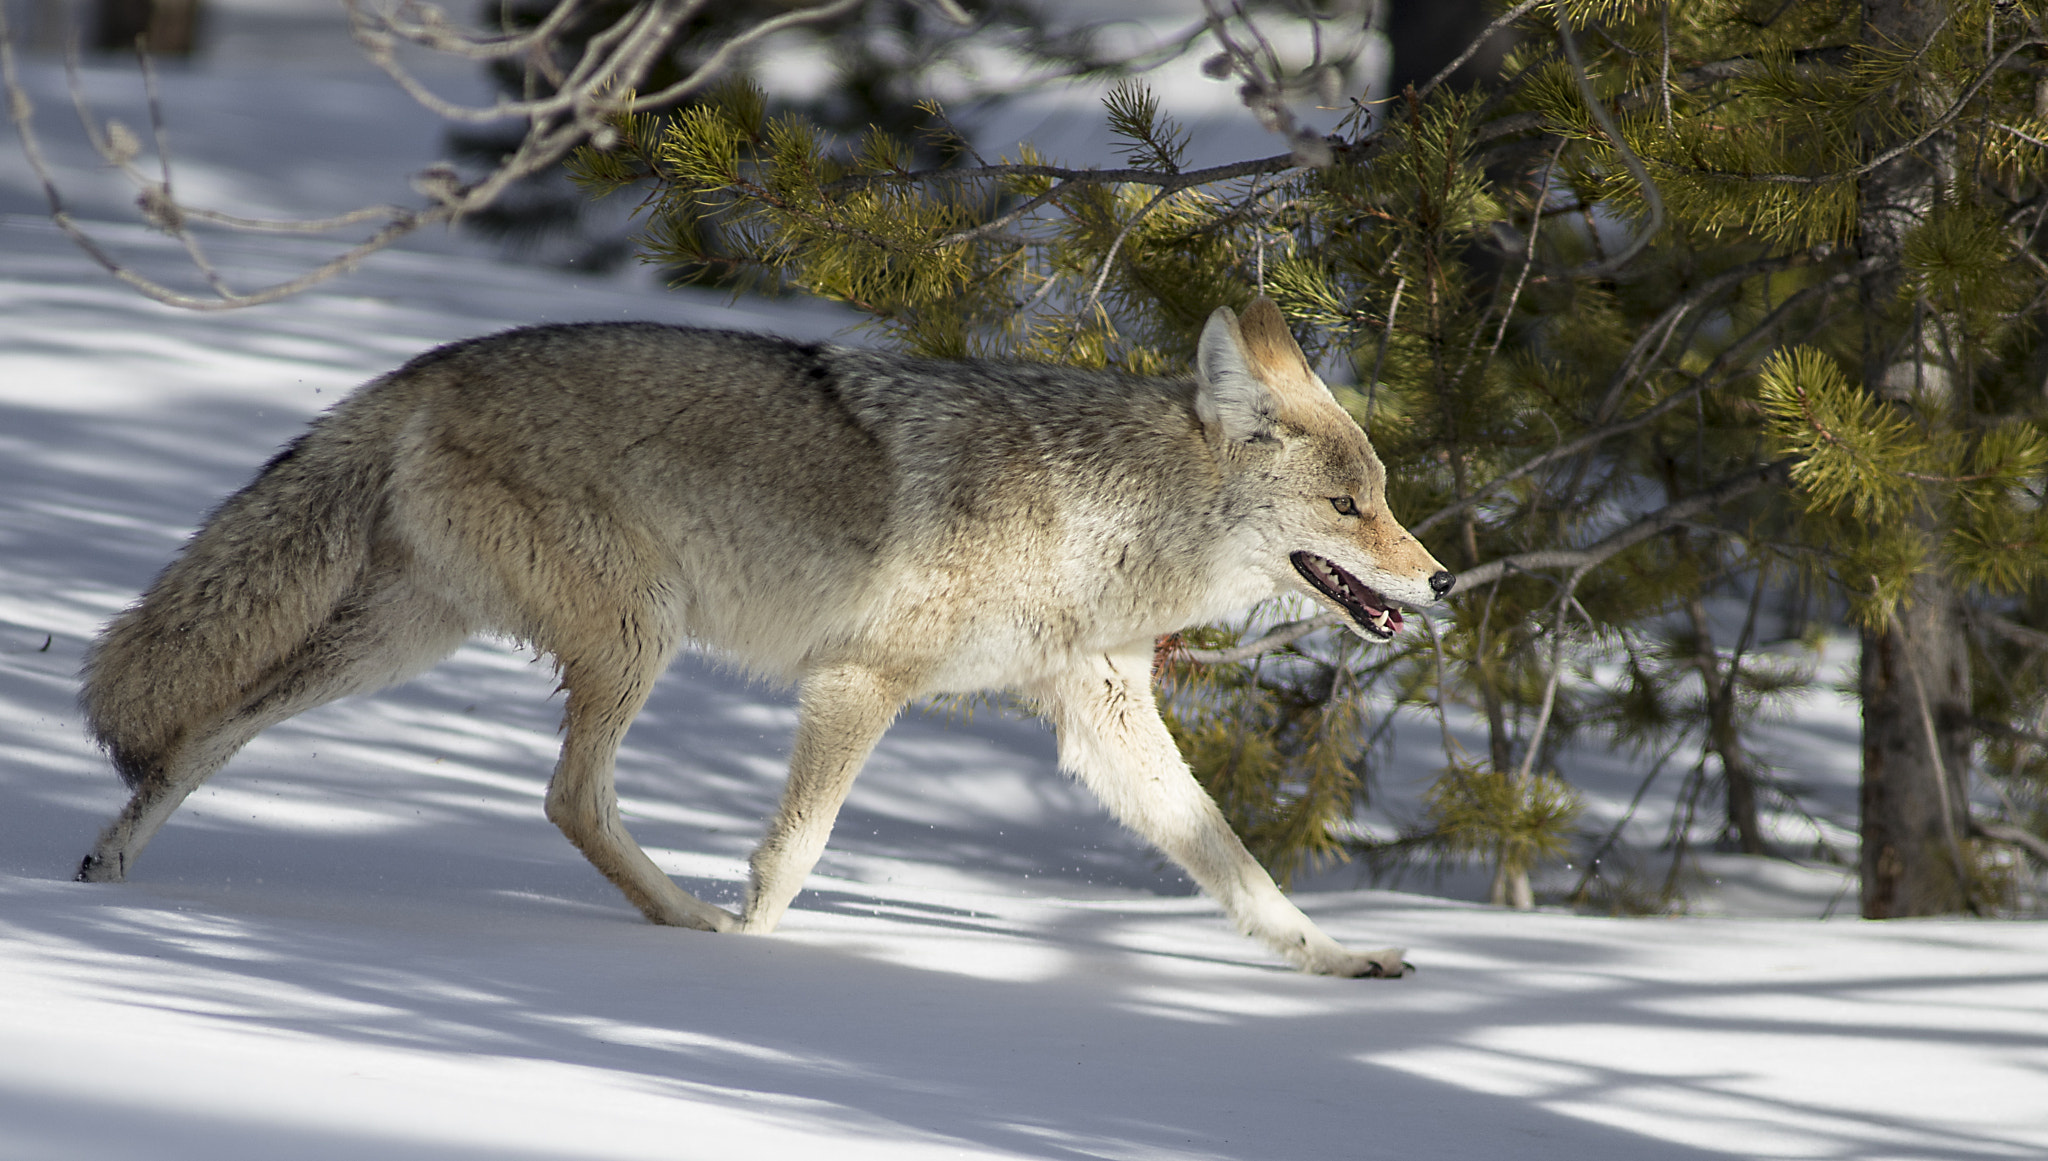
{"x":869,"y":526}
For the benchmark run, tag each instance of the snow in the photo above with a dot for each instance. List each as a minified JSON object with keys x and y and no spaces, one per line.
{"x":363,"y":939}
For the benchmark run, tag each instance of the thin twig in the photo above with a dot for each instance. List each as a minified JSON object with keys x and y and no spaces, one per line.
{"x":1706,"y":381}
{"x":1629,"y":159}
{"x":1275,"y":639}
{"x":1478,"y":42}
{"x":1582,"y":560}
{"x":1152,"y":177}
{"x":1939,"y":124}
{"x":1094,"y":301}
{"x":1379,"y":360}
{"x":1535,"y":742}
{"x":615,"y":60}
{"x":1507,"y":313}
{"x":2012,"y":836}
{"x":1944,"y":787}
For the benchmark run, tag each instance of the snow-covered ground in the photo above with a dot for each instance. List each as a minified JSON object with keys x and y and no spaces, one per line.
{"x":363,"y":939}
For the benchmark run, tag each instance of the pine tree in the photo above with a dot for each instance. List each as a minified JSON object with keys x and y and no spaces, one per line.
{"x":879,"y":60}
{"x":1728,"y":299}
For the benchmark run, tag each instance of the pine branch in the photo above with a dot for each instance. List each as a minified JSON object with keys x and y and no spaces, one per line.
{"x":1938,"y":125}
{"x":1170,"y":182}
{"x":1703,"y":383}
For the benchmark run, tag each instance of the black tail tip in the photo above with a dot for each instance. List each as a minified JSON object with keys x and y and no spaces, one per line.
{"x":93,"y":869}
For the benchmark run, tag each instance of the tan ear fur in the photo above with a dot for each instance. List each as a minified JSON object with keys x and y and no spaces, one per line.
{"x":1275,"y":357}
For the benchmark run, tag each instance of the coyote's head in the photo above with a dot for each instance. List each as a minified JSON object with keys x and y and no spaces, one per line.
{"x":1320,"y":489}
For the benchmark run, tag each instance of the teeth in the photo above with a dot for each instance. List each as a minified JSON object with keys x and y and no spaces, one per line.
{"x":1383,"y":621}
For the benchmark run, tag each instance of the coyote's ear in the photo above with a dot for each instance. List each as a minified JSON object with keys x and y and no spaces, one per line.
{"x":1275,"y":357}
{"x":1228,"y":395}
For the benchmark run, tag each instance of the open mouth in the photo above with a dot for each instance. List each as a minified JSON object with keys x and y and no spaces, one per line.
{"x":1367,"y":607}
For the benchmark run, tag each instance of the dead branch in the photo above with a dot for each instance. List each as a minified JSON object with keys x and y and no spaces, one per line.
{"x":586,"y":96}
{"x":1280,"y":637}
{"x":595,"y":89}
{"x":1582,"y":560}
{"x":1579,"y":560}
{"x":1707,"y":380}
{"x":2021,"y":635}
{"x":1999,"y":832}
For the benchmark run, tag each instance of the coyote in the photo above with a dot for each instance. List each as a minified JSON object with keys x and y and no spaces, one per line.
{"x":869,"y":526}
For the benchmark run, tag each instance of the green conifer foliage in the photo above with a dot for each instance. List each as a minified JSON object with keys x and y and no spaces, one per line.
{"x":1620,"y":324}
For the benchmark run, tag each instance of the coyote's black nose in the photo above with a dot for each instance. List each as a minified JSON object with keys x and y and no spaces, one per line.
{"x":1441,"y":582}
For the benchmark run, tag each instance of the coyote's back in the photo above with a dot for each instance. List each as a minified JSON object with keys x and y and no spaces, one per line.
{"x":871,"y":526}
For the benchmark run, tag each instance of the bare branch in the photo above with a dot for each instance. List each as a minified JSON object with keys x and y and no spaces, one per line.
{"x":2013,"y":631}
{"x":1478,"y":42}
{"x":1707,"y":380}
{"x":1992,"y":727}
{"x":589,"y":94}
{"x":2012,"y":836}
{"x":1276,"y":639}
{"x":719,"y":60}
{"x":1168,"y":181}
{"x":1583,"y":560}
{"x":1109,"y":259}
{"x":1938,"y":125}
{"x":1660,"y":332}
{"x":1629,"y":159}
{"x":1580,"y":560}
{"x":1265,"y":87}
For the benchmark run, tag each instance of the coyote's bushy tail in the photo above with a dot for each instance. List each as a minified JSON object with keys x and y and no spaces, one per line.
{"x":263,"y":572}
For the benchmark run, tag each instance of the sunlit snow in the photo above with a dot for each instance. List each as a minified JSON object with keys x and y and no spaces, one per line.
{"x":363,"y":940}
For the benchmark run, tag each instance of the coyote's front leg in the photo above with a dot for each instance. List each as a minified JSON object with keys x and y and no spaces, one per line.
{"x":1111,"y":737}
{"x":842,"y":711}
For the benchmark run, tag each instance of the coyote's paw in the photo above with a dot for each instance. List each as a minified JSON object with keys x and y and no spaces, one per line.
{"x":719,"y":919}
{"x":685,"y":910}
{"x":1385,"y":964}
{"x":758,"y":921}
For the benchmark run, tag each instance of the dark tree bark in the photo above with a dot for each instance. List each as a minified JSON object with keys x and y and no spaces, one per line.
{"x":1916,"y":670}
{"x":1426,"y":35}
{"x":1724,"y":735}
{"x":1914,"y":812}
{"x":167,"y":27}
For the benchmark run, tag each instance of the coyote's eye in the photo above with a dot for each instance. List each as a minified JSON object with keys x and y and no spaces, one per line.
{"x":1344,"y":506}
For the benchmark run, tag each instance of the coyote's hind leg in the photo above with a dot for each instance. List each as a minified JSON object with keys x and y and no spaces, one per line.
{"x":606,"y":690}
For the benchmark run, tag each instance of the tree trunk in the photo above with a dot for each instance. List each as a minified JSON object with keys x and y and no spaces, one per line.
{"x":1724,"y":736}
{"x":1916,"y":688}
{"x":1511,"y":888}
{"x":1915,"y":671}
